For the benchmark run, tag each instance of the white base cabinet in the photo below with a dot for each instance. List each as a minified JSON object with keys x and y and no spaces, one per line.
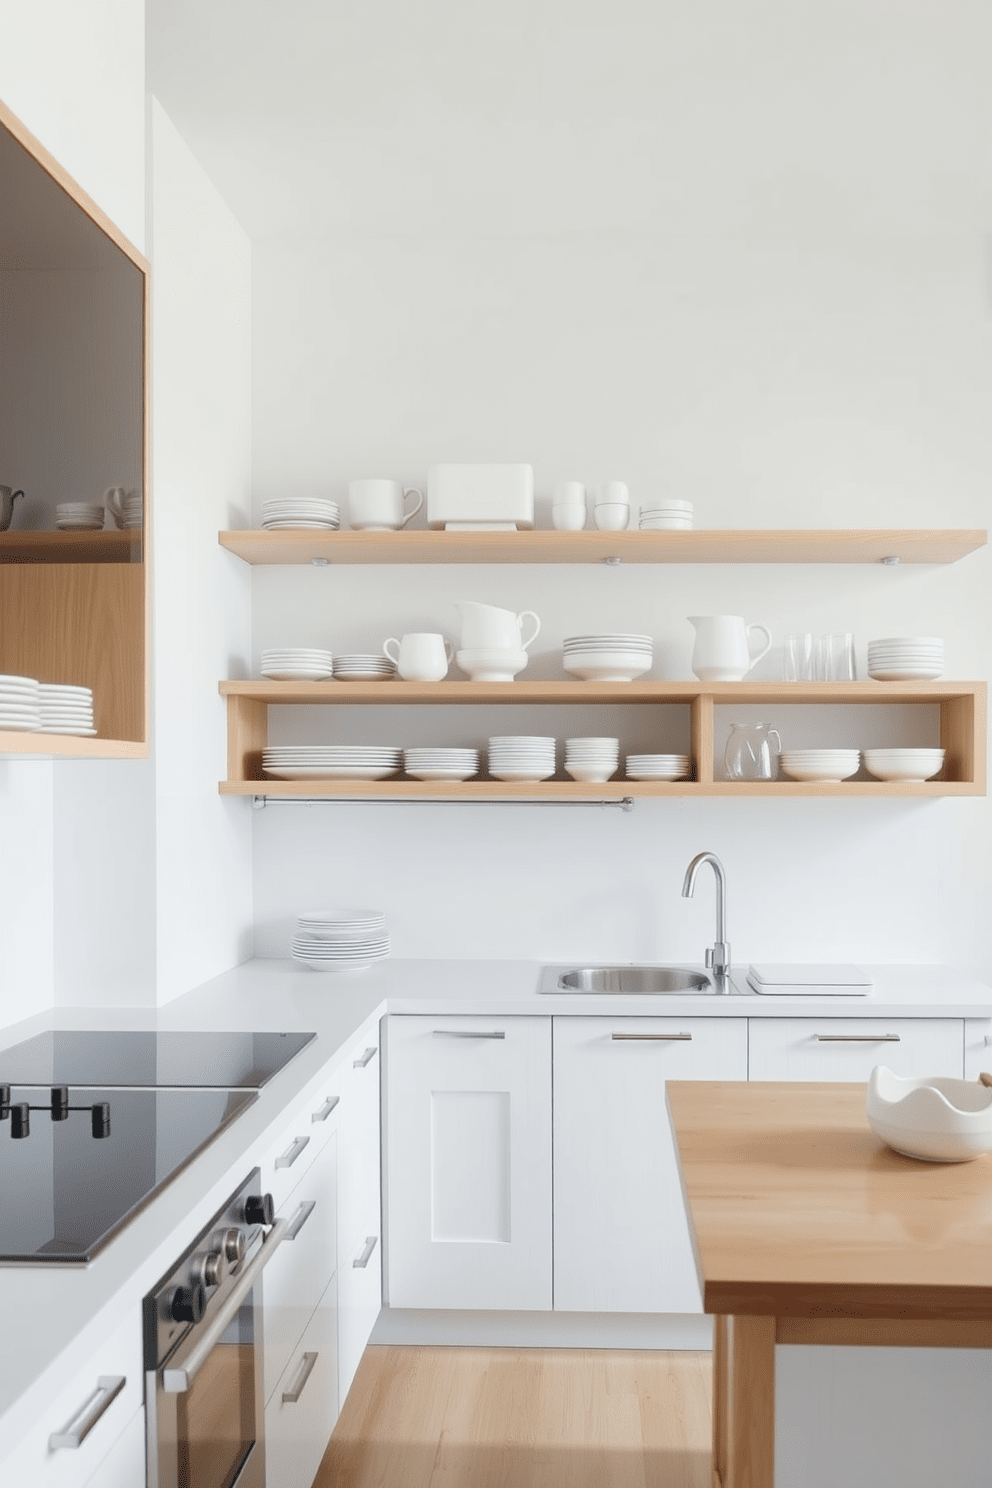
{"x":303,"y":1407}
{"x":849,"y":1048}
{"x":468,"y":1152}
{"x":622,"y":1239}
{"x":359,"y":1298}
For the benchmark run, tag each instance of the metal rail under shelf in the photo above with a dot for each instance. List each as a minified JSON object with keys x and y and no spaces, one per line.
{"x":261,"y":801}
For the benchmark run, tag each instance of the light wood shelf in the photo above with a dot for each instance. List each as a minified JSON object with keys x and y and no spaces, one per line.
{"x":51,"y":746}
{"x":929,"y":545}
{"x":109,"y":546}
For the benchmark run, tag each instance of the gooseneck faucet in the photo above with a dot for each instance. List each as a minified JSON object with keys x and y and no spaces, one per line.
{"x":717,"y":955}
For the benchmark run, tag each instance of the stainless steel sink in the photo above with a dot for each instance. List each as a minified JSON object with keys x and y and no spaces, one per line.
{"x":627,"y":980}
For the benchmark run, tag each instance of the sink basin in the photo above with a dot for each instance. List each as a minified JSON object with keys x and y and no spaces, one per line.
{"x":626,"y":980}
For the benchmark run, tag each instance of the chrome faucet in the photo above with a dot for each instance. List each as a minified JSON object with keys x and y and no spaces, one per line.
{"x":717,"y":955}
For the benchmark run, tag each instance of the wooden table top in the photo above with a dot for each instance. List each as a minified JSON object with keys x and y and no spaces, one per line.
{"x":798,"y":1209}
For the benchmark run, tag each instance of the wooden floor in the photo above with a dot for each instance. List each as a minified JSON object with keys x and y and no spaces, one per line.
{"x":523,"y":1418}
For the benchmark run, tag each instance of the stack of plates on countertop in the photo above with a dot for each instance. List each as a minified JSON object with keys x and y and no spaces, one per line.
{"x":591,"y":759}
{"x":810,"y":981}
{"x":441,"y":764}
{"x":906,"y":659}
{"x":296,"y":664}
{"x":331,"y":761}
{"x":523,"y":757}
{"x":20,"y":703}
{"x":364,"y":668}
{"x":65,"y":709}
{"x":667,"y":516}
{"x":340,"y":939}
{"x":658,"y":767}
{"x":607,"y":658}
{"x":79,"y":516}
{"x":825,"y":766}
{"x":301,"y":511}
{"x":909,"y":766}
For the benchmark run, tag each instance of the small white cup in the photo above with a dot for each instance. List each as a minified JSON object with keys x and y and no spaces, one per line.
{"x":568,"y":508}
{"x":614,"y":492}
{"x":611,"y":516}
{"x":422,"y":656}
{"x":380,"y":505}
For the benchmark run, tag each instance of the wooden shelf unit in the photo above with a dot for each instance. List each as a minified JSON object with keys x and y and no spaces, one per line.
{"x":304,"y":545}
{"x":109,"y":546}
{"x":962,"y":708}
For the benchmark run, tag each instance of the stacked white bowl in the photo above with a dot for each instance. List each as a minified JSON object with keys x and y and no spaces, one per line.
{"x":909,"y":766}
{"x":340,"y":939}
{"x":523,"y":757}
{"x":363,"y":668}
{"x":825,"y":766}
{"x":441,"y":764}
{"x":20,"y":703}
{"x":658,"y":767}
{"x":591,"y":759}
{"x":331,"y":761}
{"x":667,"y":516}
{"x":79,"y":516}
{"x":296,"y":664}
{"x":301,"y":511}
{"x":607,"y":658}
{"x":906,"y":658}
{"x":65,"y":709}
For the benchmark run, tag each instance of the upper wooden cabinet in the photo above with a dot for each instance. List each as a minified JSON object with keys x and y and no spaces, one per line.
{"x":74,"y":307}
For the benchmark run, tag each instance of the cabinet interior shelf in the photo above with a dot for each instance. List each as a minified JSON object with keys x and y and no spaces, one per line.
{"x":109,"y":546}
{"x":928,"y":545}
{"x":17,"y":742}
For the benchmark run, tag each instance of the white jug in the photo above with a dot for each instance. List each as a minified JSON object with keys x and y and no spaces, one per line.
{"x":486,"y":628}
{"x":722,"y":652}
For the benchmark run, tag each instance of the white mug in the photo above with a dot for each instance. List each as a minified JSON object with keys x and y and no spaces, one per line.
{"x":722,"y":651}
{"x":486,"y":628}
{"x":422,"y":656}
{"x":380,"y":505}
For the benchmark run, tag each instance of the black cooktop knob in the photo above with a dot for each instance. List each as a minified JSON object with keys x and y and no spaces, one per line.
{"x":259,"y":1209}
{"x":188,"y":1302}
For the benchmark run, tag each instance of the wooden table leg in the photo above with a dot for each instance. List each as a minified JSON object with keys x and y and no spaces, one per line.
{"x":721,"y":1403}
{"x":744,"y":1402}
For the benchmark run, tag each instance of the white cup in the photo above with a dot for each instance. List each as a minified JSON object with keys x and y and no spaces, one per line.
{"x":380,"y":505}
{"x":568,"y":507}
{"x":613,"y":493}
{"x":611,"y":516}
{"x":422,"y":656}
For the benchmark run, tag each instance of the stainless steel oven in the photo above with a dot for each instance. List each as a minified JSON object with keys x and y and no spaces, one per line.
{"x":203,"y":1351}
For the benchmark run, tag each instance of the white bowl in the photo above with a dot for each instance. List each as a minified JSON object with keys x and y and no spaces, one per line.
{"x":607,"y":666}
{"x":909,"y":766}
{"x":937,"y":1120}
{"x":823,"y":774}
{"x":590,"y":773}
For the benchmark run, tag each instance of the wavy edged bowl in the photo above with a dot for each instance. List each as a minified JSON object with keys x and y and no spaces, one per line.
{"x":934,"y":1119}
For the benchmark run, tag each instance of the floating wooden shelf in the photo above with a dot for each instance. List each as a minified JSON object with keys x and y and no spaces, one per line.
{"x":48,"y":746}
{"x":109,"y":546}
{"x":851,"y":546}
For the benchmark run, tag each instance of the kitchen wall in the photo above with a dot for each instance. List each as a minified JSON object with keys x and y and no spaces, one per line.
{"x":737,"y":255}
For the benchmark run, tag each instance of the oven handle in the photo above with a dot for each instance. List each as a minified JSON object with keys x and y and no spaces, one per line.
{"x":177,"y":1378}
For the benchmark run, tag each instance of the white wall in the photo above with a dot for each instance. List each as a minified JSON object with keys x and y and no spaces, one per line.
{"x":752,"y":274}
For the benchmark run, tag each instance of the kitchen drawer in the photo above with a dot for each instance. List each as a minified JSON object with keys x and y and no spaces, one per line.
{"x":297,"y":1430}
{"x":298,"y":1144}
{"x":358,"y":1161}
{"x":849,"y":1048}
{"x":301,"y":1268}
{"x":34,"y":1461}
{"x":359,"y":1300}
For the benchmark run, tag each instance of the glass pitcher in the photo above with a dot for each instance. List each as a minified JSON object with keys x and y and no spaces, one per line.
{"x":752,"y":752}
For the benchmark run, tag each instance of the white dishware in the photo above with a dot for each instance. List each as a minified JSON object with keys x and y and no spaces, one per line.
{"x":665,"y":524}
{"x":494,"y":497}
{"x":79,"y":516}
{"x":611,"y":516}
{"x":823,"y":766}
{"x":722,"y":650}
{"x":297,"y":664}
{"x":489,"y":628}
{"x":592,"y":759}
{"x":606,"y":665}
{"x":363,"y":668}
{"x":908,"y":766}
{"x":613,"y":493}
{"x":421,"y":656}
{"x":492,"y":665}
{"x":932,"y":1118}
{"x":7,"y":498}
{"x":291,"y":512}
{"x":339,"y":939}
{"x":660,"y":767}
{"x":528,"y":757}
{"x":125,"y":507}
{"x":569,"y":507}
{"x":906,"y":658}
{"x":381,"y":505}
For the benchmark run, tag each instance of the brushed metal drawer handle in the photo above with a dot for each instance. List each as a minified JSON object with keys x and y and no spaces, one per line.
{"x":365,"y":1058}
{"x":662,"y":1038}
{"x":360,"y":1262}
{"x":326,"y":1108}
{"x":465,"y":1033}
{"x":292,"y":1152}
{"x":72,"y":1435}
{"x":292,"y":1395}
{"x":307,"y":1206}
{"x":858,"y":1038}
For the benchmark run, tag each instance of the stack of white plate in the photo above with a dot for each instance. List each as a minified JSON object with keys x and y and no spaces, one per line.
{"x":521,"y":757}
{"x":667,"y":516}
{"x":132,"y":509}
{"x":331,"y":761}
{"x":441,"y":764}
{"x":909,"y":766}
{"x":591,"y":759}
{"x":607,"y":658}
{"x":20,"y":703}
{"x":658,"y":767}
{"x":826,"y":766}
{"x":301,"y":511}
{"x":340,"y":939}
{"x":296,"y":664}
{"x":364,"y":668}
{"x":65,"y":709}
{"x":79,"y":516}
{"x":906,"y":658}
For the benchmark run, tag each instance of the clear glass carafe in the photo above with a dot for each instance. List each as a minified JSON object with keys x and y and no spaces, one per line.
{"x":752,"y":752}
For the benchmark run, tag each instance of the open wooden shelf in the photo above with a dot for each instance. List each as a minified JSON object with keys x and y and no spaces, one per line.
{"x":842,"y":546}
{"x":109,"y":546}
{"x":48,"y":746}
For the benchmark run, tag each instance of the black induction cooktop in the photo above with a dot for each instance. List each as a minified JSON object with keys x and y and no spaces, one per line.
{"x":150,"y":1058}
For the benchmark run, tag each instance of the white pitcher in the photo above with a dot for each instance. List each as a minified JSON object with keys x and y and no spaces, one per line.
{"x":722,"y":652}
{"x":486,"y":628}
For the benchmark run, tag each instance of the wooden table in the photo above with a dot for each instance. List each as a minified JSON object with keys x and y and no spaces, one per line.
{"x":808,"y":1229}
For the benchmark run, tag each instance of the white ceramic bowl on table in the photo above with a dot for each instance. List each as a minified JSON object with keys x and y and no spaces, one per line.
{"x":935,"y":1119}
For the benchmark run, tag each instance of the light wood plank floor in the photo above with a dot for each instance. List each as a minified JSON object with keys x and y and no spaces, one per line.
{"x":523,"y":1418}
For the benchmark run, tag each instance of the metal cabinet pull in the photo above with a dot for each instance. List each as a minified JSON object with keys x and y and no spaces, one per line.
{"x":292,"y":1153}
{"x":681,"y":1038}
{"x":326,"y":1108}
{"x":108,"y":1387}
{"x":857,"y":1038}
{"x":467,"y":1033}
{"x":360,"y":1262}
{"x":292,"y":1395}
{"x":300,"y":1218}
{"x":363,"y":1061}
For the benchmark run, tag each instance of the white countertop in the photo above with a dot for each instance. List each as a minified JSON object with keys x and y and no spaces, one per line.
{"x":58,"y":1312}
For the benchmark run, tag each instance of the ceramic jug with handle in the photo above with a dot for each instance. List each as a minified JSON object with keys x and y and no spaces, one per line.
{"x":722,"y":652}
{"x":7,"y":498}
{"x":486,"y":628}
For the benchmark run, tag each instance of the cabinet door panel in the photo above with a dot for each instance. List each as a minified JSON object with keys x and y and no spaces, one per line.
{"x":621,"y":1236}
{"x":849,"y":1048}
{"x":301,"y":1414}
{"x":359,"y":1299}
{"x":469,"y":1162}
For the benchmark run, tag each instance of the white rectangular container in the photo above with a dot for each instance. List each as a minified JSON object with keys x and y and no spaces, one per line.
{"x":480,"y":493}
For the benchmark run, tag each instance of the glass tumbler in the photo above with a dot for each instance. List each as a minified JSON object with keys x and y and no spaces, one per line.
{"x":797,"y":658}
{"x":835,"y":658}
